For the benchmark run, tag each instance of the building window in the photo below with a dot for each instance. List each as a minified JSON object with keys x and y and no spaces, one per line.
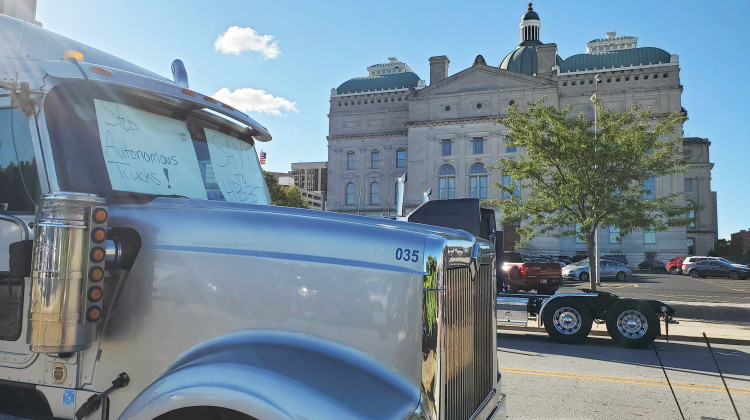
{"x":690,"y":246}
{"x":375,"y":160}
{"x":649,"y":237}
{"x":649,"y":188}
{"x":478,"y":181}
{"x":691,"y":213}
{"x":374,"y":193}
{"x":351,"y":194}
{"x":445,"y":148}
{"x":516,"y":191}
{"x":578,"y":234}
{"x":614,"y":235}
{"x":688,"y":184}
{"x":401,"y":158}
{"x":350,"y":160}
{"x":477,"y":145}
{"x":509,"y":149}
{"x":447,"y":182}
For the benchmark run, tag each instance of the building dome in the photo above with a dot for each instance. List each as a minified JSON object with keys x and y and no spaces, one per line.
{"x":530,"y":14}
{"x":524,"y":60}
{"x":380,"y":82}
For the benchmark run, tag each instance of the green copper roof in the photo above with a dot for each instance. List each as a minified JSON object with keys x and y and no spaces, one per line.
{"x":523,"y":59}
{"x":615,"y":59}
{"x":613,"y":39}
{"x":381,"y":82}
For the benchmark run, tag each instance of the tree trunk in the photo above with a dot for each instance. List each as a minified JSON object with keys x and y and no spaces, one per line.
{"x":592,"y":259}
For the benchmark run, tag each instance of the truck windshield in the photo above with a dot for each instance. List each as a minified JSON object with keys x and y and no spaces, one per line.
{"x":127,"y":148}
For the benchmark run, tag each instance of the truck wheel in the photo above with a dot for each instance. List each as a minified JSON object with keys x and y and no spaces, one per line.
{"x":631,"y":324}
{"x":567,"y":320}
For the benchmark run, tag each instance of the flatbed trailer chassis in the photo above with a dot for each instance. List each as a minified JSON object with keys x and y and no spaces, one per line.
{"x":568,"y":317}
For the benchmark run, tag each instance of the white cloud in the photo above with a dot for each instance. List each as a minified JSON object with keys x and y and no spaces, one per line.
{"x":254,"y":100}
{"x":236,"y":40}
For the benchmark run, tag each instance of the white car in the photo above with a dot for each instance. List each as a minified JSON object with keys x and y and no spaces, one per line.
{"x":607,"y":269}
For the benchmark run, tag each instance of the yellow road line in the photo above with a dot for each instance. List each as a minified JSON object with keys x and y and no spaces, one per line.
{"x":622,"y":380}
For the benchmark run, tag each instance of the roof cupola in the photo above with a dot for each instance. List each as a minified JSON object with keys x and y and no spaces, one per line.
{"x":530,"y":26}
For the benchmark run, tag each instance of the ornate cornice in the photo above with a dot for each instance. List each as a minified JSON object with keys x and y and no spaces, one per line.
{"x":368,"y":136}
{"x":453,"y":121}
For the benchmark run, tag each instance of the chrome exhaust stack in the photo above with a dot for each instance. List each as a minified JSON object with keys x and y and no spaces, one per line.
{"x":67,"y":272}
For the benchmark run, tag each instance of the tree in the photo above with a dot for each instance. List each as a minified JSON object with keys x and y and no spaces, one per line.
{"x":722,"y":248}
{"x":578,"y":180}
{"x":284,"y":195}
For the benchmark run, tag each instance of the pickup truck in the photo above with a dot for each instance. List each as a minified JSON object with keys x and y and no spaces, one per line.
{"x":519,"y":273}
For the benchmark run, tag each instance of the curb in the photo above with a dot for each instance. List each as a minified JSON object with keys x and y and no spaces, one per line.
{"x":672,"y":337}
{"x":711,"y":312}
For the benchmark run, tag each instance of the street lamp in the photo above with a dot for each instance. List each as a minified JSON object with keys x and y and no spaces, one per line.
{"x":595,"y":281}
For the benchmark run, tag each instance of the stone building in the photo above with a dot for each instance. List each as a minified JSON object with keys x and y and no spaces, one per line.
{"x":444,"y":133}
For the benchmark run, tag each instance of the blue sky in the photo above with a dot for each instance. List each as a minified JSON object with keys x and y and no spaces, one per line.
{"x":302,"y":49}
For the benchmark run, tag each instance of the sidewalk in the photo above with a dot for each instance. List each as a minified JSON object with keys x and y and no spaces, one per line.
{"x":732,"y":312}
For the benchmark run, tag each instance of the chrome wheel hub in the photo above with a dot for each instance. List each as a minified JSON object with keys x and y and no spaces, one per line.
{"x":632,"y":324}
{"x":567,"y":320}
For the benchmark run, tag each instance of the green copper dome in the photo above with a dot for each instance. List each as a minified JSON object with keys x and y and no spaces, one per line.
{"x":615,"y":59}
{"x":380,"y":82}
{"x":524,"y":59}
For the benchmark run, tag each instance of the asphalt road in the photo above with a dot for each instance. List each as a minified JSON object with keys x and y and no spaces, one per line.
{"x":598,"y":380}
{"x":669,"y":287}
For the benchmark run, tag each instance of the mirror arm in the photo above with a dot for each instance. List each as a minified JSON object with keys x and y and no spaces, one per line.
{"x":18,"y":222}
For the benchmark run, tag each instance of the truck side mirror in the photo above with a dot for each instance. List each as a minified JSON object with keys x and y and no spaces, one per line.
{"x":20,"y":259}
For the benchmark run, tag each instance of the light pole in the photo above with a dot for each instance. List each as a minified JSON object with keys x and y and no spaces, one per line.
{"x":595,"y":280}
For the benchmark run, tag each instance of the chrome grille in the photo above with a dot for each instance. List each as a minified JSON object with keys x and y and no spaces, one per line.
{"x":469,"y":341}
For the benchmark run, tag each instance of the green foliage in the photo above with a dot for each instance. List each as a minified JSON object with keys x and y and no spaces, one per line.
{"x":722,"y":248}
{"x":284,"y":195}
{"x":572,"y":176}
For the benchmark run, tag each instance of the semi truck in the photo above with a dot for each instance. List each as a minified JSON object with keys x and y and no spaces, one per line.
{"x":145,"y":274}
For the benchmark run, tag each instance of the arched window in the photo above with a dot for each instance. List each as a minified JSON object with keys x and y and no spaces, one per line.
{"x":478,"y":181}
{"x":351,"y":194}
{"x":649,"y":188}
{"x":374,"y":193}
{"x":447,"y":182}
{"x":691,"y":212}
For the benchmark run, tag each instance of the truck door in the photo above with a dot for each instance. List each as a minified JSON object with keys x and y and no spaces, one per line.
{"x":19,"y":190}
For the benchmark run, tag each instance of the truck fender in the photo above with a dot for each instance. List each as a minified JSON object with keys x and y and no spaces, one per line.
{"x":277,"y":375}
{"x":582,"y":296}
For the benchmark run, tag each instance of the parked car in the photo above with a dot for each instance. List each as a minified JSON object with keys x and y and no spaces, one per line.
{"x":521,"y":272}
{"x":576,"y":258}
{"x":652,"y":265}
{"x":690,"y":262}
{"x":716,"y":268}
{"x":616,"y":257}
{"x":607,"y":269}
{"x":674,"y":265}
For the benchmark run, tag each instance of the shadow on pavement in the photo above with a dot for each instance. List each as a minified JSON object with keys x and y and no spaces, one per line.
{"x":693,"y":357}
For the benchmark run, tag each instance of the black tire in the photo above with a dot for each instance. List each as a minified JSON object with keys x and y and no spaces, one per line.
{"x":583,"y":277}
{"x":631,"y":324}
{"x":734,"y":275}
{"x":674,"y":270}
{"x":567,"y":320}
{"x":621,"y":276}
{"x":694,"y":274}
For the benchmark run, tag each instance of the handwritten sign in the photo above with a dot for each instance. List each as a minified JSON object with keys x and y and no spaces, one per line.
{"x":236,"y":169}
{"x":148,"y":153}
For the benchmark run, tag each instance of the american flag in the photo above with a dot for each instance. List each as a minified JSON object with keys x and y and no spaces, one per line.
{"x":262,"y":157}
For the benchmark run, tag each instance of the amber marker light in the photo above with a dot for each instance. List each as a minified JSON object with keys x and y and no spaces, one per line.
{"x":98,"y":235}
{"x":100,"y":215}
{"x":97,"y":255}
{"x":96,"y":274}
{"x":189,"y":92}
{"x":76,"y":55}
{"x":101,"y":71}
{"x":95,"y":294}
{"x":227,"y":107}
{"x":210,"y":99}
{"x":93,"y":314}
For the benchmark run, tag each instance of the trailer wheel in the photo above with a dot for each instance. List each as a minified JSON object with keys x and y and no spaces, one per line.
{"x":567,"y":320}
{"x":631,"y":324}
